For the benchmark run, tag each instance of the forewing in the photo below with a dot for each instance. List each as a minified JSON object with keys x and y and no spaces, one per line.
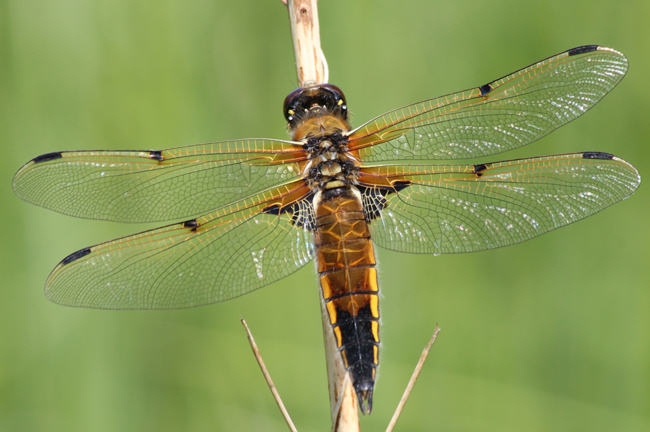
{"x":502,"y":115}
{"x":206,"y":260}
{"x":153,"y":186}
{"x":468,"y":208}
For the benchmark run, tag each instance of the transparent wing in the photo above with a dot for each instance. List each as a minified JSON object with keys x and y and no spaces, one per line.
{"x":502,"y":115}
{"x":467,"y":208}
{"x":219,"y":256}
{"x":153,"y":186}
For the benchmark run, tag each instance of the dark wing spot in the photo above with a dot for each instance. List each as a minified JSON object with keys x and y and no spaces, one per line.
{"x":273,"y":209}
{"x":401,"y":185}
{"x":47,"y":157}
{"x":582,"y":50}
{"x":479,"y":168}
{"x":302,"y":212}
{"x":75,"y":256}
{"x":156,"y":155}
{"x":374,"y":198}
{"x":485,"y":89}
{"x":192,"y":223}
{"x":597,"y":155}
{"x":374,"y":201}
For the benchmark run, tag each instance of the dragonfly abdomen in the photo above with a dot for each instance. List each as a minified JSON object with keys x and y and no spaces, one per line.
{"x":348,"y":279}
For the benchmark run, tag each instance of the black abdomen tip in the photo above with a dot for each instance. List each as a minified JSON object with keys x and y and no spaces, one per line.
{"x":364,"y":393}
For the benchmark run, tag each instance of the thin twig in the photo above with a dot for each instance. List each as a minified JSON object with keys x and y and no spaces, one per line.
{"x":335,"y":414}
{"x":326,"y":68}
{"x":305,"y":33}
{"x":343,"y":399}
{"x":412,"y":381}
{"x":311,"y":70}
{"x":268,"y":379}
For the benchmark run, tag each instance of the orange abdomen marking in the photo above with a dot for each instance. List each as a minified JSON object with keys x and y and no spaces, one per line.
{"x":348,"y":278}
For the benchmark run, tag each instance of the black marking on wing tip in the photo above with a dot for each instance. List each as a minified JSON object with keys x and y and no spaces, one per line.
{"x":597,"y":155}
{"x":485,"y":89}
{"x":156,"y":155}
{"x":479,"y":168}
{"x":75,"y":256}
{"x":47,"y":157}
{"x":582,"y":50}
{"x":192,"y":223}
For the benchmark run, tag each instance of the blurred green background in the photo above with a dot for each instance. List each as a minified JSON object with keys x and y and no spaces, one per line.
{"x":549,"y":335}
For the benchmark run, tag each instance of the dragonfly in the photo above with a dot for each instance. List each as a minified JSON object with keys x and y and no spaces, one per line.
{"x":254,"y":211}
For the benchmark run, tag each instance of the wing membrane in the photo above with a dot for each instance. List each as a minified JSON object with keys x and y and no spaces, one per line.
{"x":153,"y":186}
{"x":502,"y":115}
{"x":467,"y":208}
{"x":219,"y":256}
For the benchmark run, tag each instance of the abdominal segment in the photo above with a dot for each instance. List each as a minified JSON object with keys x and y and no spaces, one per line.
{"x":348,"y":279}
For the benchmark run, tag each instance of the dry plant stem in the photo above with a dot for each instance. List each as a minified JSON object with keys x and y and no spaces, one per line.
{"x":305,"y":32}
{"x":268,"y":379}
{"x":337,"y":409}
{"x":343,"y":399}
{"x":303,"y":17}
{"x":412,"y":381}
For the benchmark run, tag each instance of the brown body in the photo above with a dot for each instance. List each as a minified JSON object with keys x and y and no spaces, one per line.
{"x":345,"y":257}
{"x":348,"y":280}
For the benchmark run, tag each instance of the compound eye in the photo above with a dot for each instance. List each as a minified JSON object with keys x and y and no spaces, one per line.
{"x":287,"y":102}
{"x":338,"y":94}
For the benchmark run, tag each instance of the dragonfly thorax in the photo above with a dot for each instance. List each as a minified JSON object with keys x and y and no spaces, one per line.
{"x":340,"y":171}
{"x":330,"y":164}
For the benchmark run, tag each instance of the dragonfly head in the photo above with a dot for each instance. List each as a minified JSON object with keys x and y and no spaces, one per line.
{"x":314,"y":101}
